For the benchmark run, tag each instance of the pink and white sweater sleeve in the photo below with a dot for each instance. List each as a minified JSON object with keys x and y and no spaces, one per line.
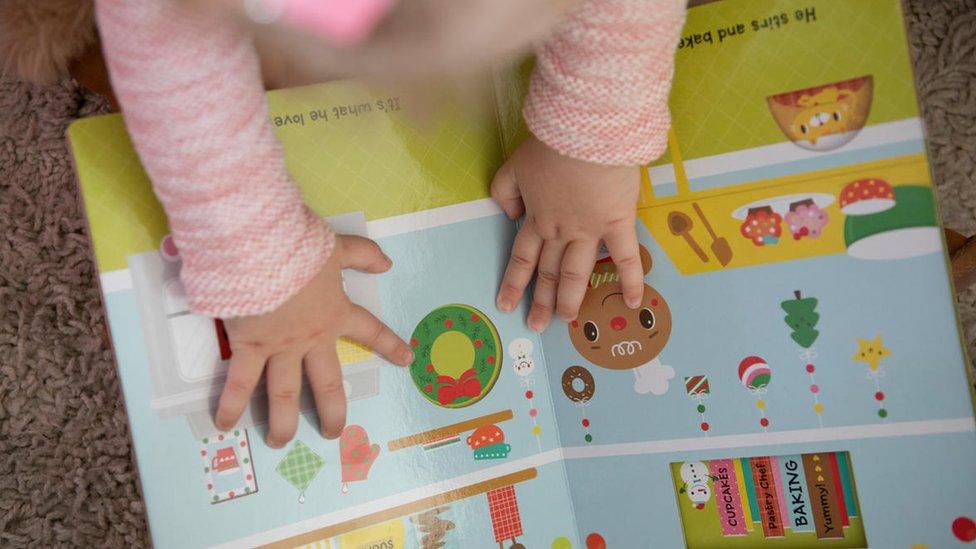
{"x":601,"y":83}
{"x":193,"y":101}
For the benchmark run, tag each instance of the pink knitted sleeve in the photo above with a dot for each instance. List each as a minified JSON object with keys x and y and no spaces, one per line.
{"x":600,"y":87}
{"x":193,"y":101}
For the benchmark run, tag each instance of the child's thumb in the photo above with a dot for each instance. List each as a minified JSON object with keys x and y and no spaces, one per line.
{"x":505,"y":191}
{"x":363,"y":254}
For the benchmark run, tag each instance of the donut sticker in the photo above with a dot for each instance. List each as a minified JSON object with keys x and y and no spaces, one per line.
{"x":579,"y":387}
{"x":578,"y":384}
{"x":457,"y":356}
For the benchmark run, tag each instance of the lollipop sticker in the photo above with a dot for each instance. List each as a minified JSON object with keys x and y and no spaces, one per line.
{"x":872,"y":353}
{"x":579,"y":387}
{"x":755,"y":374}
{"x":697,"y":389}
{"x":802,"y":318}
{"x":520,"y":350}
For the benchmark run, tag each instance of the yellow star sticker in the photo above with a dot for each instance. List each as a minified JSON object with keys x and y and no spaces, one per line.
{"x":871,"y":352}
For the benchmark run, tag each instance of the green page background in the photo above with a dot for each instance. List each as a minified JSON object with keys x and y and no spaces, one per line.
{"x":382,"y":163}
{"x":708,"y":100}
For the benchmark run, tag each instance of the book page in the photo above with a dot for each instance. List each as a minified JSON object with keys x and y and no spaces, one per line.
{"x":459,"y":446}
{"x":797,"y":304}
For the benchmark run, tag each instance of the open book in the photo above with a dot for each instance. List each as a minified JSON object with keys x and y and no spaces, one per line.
{"x":794,"y":377}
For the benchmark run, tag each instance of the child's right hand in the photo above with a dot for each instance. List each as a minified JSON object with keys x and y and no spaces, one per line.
{"x":304,"y":330}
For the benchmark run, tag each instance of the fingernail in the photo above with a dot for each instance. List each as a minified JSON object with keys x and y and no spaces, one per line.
{"x":505,"y":305}
{"x":276,"y":445}
{"x":332,"y":435}
{"x":536,"y":325}
{"x":633,"y":303}
{"x":406,"y":356}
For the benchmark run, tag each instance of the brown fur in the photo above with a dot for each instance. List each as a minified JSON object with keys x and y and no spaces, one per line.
{"x":40,"y":38}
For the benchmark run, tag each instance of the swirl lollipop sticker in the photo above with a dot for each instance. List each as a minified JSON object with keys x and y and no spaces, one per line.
{"x":579,"y":387}
{"x":524,"y":365}
{"x":755,"y":374}
{"x":802,"y":318}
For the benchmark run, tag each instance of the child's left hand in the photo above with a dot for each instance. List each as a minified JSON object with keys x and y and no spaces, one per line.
{"x":301,"y":335}
{"x":570,"y":205}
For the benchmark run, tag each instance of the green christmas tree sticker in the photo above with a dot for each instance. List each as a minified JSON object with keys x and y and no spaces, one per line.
{"x":802,"y":317}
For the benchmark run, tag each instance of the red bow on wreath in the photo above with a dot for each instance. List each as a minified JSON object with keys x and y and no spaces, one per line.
{"x":452,"y":389}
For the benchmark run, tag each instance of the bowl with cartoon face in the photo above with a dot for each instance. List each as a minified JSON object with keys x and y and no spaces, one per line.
{"x":612,"y":335}
{"x":823,"y":117}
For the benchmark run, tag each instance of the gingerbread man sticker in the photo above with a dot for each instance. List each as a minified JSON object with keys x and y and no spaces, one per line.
{"x":614,"y":336}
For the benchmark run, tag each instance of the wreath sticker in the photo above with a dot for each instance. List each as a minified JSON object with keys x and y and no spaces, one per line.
{"x":456,"y":356}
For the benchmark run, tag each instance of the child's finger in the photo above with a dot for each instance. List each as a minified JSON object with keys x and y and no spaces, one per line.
{"x":546,"y":284}
{"x":625,"y":251}
{"x":243,"y":374}
{"x":574,"y":276}
{"x":521,"y":267}
{"x":505,"y":191}
{"x":284,"y":390}
{"x":365,"y":328}
{"x":325,"y":379}
{"x":363,"y":254}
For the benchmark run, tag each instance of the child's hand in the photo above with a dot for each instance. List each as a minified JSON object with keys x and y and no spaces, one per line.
{"x":570,"y":206}
{"x":304,"y":330}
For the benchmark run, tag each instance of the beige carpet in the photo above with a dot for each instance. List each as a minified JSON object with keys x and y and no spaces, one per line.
{"x":66,"y":475}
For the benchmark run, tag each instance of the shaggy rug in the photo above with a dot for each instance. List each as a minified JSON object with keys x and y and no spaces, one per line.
{"x":66,"y":471}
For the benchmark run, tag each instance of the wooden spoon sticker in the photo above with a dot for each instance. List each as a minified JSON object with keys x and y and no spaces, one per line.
{"x":680,"y":225}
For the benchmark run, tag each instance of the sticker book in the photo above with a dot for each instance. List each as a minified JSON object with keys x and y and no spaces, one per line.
{"x":793,"y":378}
